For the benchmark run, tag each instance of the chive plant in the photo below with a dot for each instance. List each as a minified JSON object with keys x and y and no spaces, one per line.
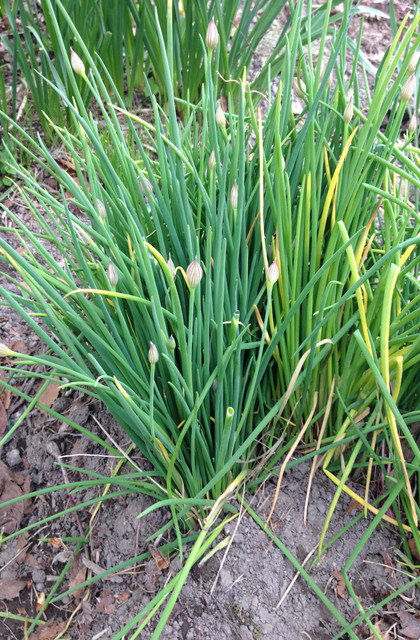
{"x":232,"y":284}
{"x":125,"y":37}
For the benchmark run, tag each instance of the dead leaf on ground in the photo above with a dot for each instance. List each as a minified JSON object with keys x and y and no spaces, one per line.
{"x":414,"y":549}
{"x":10,"y":589}
{"x":4,"y":395}
{"x":19,"y":346}
{"x":49,"y":631}
{"x":410,"y":625}
{"x":106,"y":603}
{"x":388,"y":561}
{"x":77,"y":576}
{"x":50,"y":394}
{"x":123,"y":597}
{"x":55,"y":542}
{"x":62,"y":556}
{"x":354,"y":506}
{"x":10,"y":488}
{"x":161,"y":561}
{"x":3,"y":418}
{"x":21,"y":547}
{"x":341,"y":586}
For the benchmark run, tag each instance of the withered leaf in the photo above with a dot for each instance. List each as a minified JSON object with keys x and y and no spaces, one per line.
{"x":4,"y":395}
{"x":10,"y":589}
{"x":3,"y":418}
{"x":341,"y":586}
{"x":11,"y":515}
{"x":414,"y":549}
{"x":410,"y":625}
{"x":161,"y":561}
{"x":77,"y":576}
{"x":106,"y":603}
{"x":123,"y":597}
{"x":50,"y":394}
{"x":49,"y":631}
{"x":388,"y":561}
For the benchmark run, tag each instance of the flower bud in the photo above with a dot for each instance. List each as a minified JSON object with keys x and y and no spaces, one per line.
{"x":153,"y":355}
{"x":412,"y":65}
{"x":194,"y":273}
{"x":76,"y":63}
{"x":408,"y":89}
{"x":234,"y":196}
{"x":5,"y":351}
{"x":212,"y":160}
{"x":348,"y":111}
{"x":212,"y":36}
{"x":412,"y":124}
{"x":171,"y":266}
{"x":112,"y":275}
{"x":297,"y":90}
{"x":171,"y":344}
{"x":273,"y":272}
{"x":101,"y":208}
{"x":220,"y":116}
{"x":145,"y":186}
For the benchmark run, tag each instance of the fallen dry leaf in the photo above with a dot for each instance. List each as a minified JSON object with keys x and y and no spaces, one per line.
{"x":123,"y":597}
{"x":10,"y":589}
{"x":49,"y":631}
{"x":11,"y":516}
{"x":387,"y":560}
{"x":19,"y":346}
{"x":50,"y":394}
{"x":55,"y":542}
{"x":4,"y":395}
{"x":341,"y":586}
{"x":161,"y":561}
{"x":410,"y":625}
{"x":62,"y":556}
{"x":354,"y":506}
{"x":106,"y":603}
{"x":414,"y":549}
{"x":3,"y":418}
{"x":40,"y":601}
{"x":77,"y":576}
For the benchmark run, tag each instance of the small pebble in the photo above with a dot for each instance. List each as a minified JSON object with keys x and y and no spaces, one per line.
{"x":13,"y":457}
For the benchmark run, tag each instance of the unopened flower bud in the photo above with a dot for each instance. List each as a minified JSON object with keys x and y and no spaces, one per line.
{"x":212,"y":36}
{"x":171,"y":266}
{"x":5,"y":351}
{"x":76,"y":63}
{"x":101,"y":208}
{"x":171,"y":343}
{"x":194,"y":273}
{"x":234,"y":196}
{"x":348,"y":111}
{"x":145,"y":186}
{"x":112,"y":275}
{"x":297,"y":90}
{"x":153,"y":355}
{"x":220,"y":116}
{"x":212,"y":160}
{"x":412,"y":124}
{"x":273,"y":272}
{"x":412,"y":65}
{"x":408,"y":89}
